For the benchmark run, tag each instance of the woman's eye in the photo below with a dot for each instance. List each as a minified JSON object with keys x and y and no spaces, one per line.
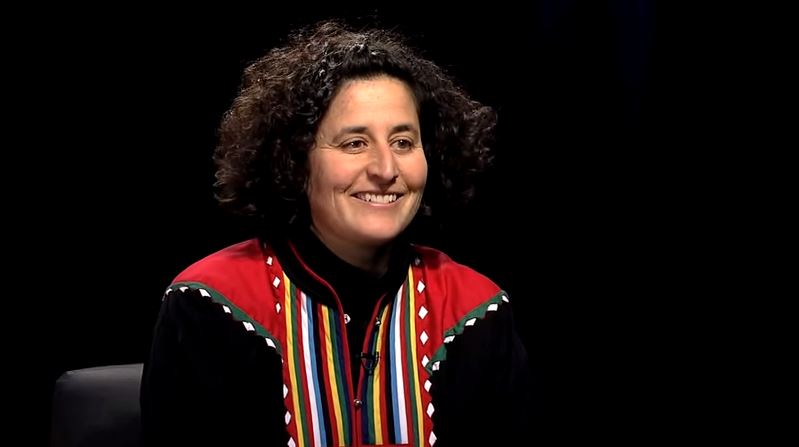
{"x":404,"y":144}
{"x":354,"y":145}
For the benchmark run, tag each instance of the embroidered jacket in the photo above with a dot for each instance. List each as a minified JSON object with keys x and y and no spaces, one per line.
{"x":244,"y":351}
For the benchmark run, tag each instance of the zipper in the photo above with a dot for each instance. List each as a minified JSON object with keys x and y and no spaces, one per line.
{"x":374,"y":321}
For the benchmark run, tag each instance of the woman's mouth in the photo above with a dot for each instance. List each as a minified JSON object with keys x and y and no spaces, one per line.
{"x":377,"y":197}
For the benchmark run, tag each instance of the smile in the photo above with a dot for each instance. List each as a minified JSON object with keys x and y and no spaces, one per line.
{"x":377,"y":198}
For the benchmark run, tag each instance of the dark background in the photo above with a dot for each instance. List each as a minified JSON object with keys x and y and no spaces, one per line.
{"x":595,"y":218}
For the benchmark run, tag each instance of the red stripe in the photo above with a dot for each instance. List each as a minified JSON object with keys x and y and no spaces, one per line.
{"x":423,"y":325}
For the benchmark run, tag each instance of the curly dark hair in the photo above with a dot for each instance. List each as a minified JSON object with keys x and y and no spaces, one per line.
{"x":265,"y":136}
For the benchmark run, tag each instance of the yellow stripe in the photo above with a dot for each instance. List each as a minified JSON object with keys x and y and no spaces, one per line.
{"x":376,"y":382}
{"x":289,"y":358}
{"x":331,"y":376}
{"x":415,"y":369}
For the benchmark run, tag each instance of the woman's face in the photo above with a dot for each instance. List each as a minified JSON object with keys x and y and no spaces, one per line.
{"x":367,"y":168}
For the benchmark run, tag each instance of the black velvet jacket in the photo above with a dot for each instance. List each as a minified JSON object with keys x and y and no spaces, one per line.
{"x":212,"y":379}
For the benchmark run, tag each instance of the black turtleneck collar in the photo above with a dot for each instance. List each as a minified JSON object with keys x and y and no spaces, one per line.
{"x":355,"y":287}
{"x":358,"y":290}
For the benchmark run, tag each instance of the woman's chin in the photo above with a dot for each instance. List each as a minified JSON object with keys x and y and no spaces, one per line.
{"x":378,"y":236}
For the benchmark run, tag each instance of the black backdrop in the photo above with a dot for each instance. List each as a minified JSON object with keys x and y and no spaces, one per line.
{"x":578,"y":220}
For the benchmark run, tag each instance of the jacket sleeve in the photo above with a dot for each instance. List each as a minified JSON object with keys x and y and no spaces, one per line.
{"x":484,"y":386}
{"x":209,"y":381}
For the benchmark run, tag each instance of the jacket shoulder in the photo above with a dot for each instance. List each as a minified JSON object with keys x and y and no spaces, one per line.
{"x":238,"y":273}
{"x":460,"y":287}
{"x":240,"y":259}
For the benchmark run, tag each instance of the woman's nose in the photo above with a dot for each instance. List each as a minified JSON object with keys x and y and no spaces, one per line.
{"x":383,"y":164}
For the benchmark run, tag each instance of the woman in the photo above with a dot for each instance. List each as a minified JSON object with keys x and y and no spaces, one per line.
{"x":331,"y":327}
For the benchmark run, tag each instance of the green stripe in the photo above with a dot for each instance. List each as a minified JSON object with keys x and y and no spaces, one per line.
{"x":297,"y":333}
{"x":478,"y":312}
{"x":342,"y":387}
{"x":238,"y":314}
{"x":411,"y":379}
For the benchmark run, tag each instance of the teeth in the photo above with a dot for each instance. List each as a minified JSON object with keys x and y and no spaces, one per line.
{"x":378,"y":198}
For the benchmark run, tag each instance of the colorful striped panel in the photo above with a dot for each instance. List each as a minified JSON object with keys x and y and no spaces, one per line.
{"x":318,"y":395}
{"x":393,"y":410}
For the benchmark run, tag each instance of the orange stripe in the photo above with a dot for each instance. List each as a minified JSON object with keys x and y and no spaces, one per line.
{"x":296,"y":416}
{"x":377,"y":383}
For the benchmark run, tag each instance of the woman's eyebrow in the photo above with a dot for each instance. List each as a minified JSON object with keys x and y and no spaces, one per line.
{"x":405,"y":127}
{"x":351,"y":129}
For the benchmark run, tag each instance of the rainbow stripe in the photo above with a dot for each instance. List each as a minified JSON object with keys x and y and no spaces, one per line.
{"x":319,"y":399}
{"x":394,"y":415}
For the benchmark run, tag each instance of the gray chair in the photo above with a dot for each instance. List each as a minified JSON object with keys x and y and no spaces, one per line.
{"x":97,"y":407}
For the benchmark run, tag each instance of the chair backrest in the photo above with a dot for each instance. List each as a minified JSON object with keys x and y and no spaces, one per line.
{"x":97,"y":407}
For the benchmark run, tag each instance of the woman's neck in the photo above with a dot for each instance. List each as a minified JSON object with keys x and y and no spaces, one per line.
{"x":374,"y":260}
